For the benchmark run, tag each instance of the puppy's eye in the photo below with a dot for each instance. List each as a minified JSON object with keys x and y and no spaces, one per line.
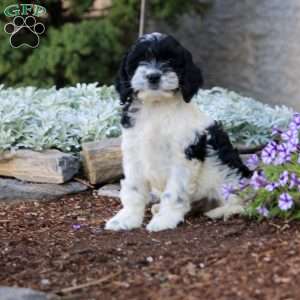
{"x":143,"y":63}
{"x":165,"y":67}
{"x":176,"y":63}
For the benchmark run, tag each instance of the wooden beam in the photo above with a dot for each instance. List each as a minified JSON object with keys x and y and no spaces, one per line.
{"x":102,"y":161}
{"x":142,"y":18}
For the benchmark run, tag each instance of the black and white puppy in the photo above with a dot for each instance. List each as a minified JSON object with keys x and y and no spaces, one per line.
{"x":170,"y":148}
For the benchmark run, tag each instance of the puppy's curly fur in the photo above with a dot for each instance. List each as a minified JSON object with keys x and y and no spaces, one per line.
{"x":169,"y":146}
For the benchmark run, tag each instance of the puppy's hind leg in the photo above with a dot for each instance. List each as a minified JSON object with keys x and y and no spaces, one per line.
{"x":233,"y":206}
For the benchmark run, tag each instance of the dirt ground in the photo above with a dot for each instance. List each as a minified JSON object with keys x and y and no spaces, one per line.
{"x":61,"y":247}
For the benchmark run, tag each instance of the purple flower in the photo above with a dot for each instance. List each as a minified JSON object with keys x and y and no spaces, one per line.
{"x":281,"y":159}
{"x":272,"y":186}
{"x":285,"y":201}
{"x":253,"y":161}
{"x":76,"y":226}
{"x":292,"y":144}
{"x":262,"y":210}
{"x":282,"y":148}
{"x":295,"y":124}
{"x":272,"y":145}
{"x":289,"y":134}
{"x":283,"y":155}
{"x":294,"y":181}
{"x":284,"y":178}
{"x":268,"y":155}
{"x":258,"y":180}
{"x":227,"y":190}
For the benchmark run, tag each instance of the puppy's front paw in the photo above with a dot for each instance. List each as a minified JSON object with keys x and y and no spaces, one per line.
{"x":125,"y":220}
{"x":164,"y":221}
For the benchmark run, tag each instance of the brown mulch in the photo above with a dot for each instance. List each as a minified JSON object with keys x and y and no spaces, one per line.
{"x":61,"y":247}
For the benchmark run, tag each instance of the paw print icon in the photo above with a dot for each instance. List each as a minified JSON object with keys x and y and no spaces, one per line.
{"x":24,"y":32}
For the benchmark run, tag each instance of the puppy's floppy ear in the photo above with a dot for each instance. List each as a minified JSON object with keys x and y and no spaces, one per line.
{"x":122,"y":83}
{"x":192,"y":78}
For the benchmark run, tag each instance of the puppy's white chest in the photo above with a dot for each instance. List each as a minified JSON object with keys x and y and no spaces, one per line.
{"x":157,"y":151}
{"x":164,"y":131}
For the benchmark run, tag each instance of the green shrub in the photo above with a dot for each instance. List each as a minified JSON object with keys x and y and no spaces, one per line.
{"x":75,"y":48}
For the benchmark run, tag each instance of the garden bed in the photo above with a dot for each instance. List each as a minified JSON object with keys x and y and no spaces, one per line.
{"x":52,"y":246}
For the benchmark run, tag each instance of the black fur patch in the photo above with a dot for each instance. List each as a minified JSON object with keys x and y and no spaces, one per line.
{"x":197,"y":150}
{"x":126,"y":120}
{"x":220,"y":142}
{"x":127,"y":116}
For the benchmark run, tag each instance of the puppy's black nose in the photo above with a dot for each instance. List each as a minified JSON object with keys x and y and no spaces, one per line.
{"x":153,"y":77}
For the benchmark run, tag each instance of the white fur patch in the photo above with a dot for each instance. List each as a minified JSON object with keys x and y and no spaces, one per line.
{"x":169,"y":80}
{"x":152,"y":36}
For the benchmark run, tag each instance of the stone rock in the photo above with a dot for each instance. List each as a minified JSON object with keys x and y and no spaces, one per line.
{"x":110,"y":190}
{"x":49,"y":166}
{"x":14,"y":293}
{"x":12,"y":189}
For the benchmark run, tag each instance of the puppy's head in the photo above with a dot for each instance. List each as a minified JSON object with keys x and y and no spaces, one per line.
{"x":155,"y":68}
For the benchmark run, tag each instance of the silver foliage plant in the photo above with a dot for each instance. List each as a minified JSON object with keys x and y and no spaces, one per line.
{"x":248,"y":121}
{"x":41,"y":119}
